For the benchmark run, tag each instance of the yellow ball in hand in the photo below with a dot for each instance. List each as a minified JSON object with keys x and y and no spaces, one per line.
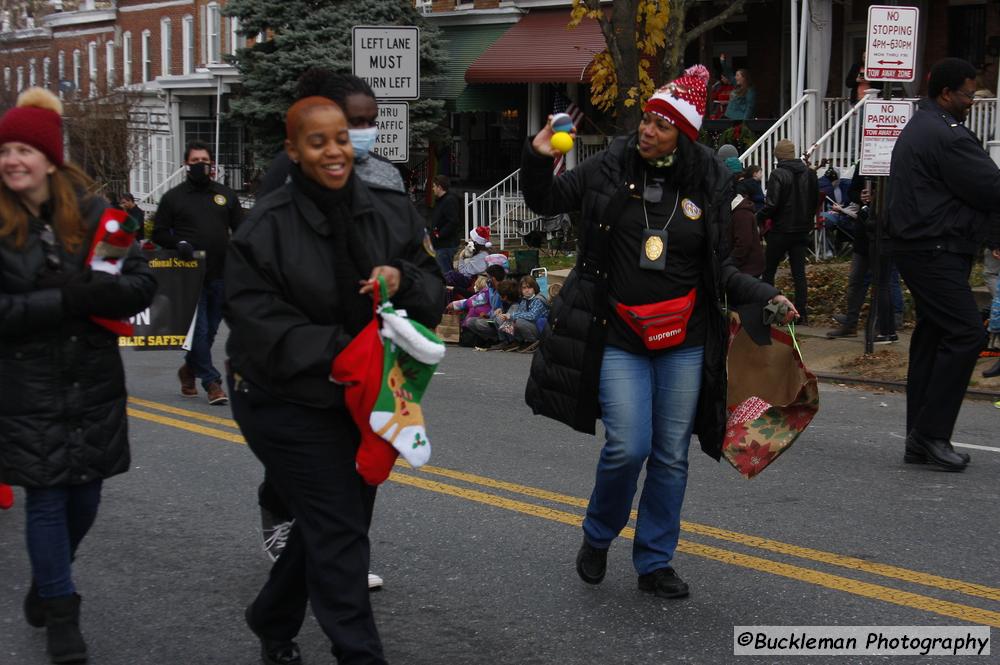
{"x":562,"y":142}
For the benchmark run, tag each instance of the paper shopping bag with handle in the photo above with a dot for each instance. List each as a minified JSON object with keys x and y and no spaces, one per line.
{"x":772,"y":398}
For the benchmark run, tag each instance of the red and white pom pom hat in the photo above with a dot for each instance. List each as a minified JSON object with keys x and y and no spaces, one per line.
{"x":481,"y":236}
{"x":682,"y":101}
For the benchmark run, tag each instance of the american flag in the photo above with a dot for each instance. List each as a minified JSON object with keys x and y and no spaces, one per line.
{"x":561,"y":104}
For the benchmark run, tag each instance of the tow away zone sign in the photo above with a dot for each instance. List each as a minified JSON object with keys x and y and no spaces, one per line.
{"x":882,"y":124}
{"x":891,"y":43}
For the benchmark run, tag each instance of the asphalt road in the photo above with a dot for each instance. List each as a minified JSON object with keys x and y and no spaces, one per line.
{"x":477,"y":550}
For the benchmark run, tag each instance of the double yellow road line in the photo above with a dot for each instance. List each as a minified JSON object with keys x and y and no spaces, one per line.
{"x":471,"y":487}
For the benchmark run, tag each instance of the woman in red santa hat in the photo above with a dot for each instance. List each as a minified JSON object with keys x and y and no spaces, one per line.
{"x":653,"y":245}
{"x":471,"y":261}
{"x":63,"y":426}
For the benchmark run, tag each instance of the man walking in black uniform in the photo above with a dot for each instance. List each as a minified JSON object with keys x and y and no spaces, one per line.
{"x":942,"y":189}
{"x":200,"y":213}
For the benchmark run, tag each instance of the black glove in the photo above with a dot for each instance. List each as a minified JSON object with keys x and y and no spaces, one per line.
{"x":185,"y":251}
{"x":54,"y":279}
{"x":91,"y":294}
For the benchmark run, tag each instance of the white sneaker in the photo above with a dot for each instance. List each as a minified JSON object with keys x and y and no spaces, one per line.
{"x":374,"y":581}
{"x":274,"y":534}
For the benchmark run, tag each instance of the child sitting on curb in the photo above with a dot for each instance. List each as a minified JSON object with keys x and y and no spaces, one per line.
{"x":481,"y":305}
{"x":519,"y":327}
{"x":487,"y":329}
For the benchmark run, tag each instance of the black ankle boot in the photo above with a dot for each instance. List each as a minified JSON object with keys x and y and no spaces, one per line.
{"x":62,"y":627}
{"x":34,"y":608}
{"x":992,"y":371}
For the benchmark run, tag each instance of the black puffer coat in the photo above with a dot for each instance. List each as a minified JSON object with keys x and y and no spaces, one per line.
{"x":565,"y":371}
{"x":62,"y":384}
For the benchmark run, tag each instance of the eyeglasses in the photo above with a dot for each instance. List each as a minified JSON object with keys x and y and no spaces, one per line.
{"x":970,"y":97}
{"x":48,"y":238}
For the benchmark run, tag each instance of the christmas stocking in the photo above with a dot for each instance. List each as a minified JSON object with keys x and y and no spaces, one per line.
{"x":112,"y":240}
{"x":411,"y":353}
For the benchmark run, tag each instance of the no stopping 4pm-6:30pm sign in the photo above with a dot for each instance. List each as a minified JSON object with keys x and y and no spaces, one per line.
{"x":882,"y":123}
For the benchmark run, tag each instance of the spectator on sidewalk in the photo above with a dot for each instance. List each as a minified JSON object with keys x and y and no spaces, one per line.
{"x":519,"y":325}
{"x":731,"y":156}
{"x":749,"y":186}
{"x":856,"y":82}
{"x":471,"y":262}
{"x":486,"y":329}
{"x":791,"y":202}
{"x":746,"y":249}
{"x":944,"y":191}
{"x":840,"y":219}
{"x":127,"y":203}
{"x":200,"y":214}
{"x":63,"y":422}
{"x":480,"y":305}
{"x":861,"y":194}
{"x":446,"y":222}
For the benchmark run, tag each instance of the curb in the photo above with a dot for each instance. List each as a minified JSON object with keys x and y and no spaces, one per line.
{"x":897,"y":385}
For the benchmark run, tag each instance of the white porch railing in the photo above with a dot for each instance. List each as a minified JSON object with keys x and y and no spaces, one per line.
{"x":982,"y":120}
{"x":502,"y":209}
{"x":149,"y":200}
{"x":841,"y":142}
{"x":797,"y":124}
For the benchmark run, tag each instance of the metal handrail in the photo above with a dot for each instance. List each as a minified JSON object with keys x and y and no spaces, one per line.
{"x":794,"y":122}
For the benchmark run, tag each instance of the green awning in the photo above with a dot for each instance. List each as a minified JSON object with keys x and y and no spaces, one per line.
{"x":463,"y":44}
{"x":490,"y":97}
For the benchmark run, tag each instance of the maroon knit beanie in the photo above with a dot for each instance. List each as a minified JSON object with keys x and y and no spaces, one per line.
{"x":36,"y":121}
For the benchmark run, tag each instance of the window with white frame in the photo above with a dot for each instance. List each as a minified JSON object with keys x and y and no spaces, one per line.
{"x":127,"y":58}
{"x":147,"y":56}
{"x":77,"y":69}
{"x":6,"y":78}
{"x":235,"y":41}
{"x":92,"y":61}
{"x":187,"y":44}
{"x":20,"y":79}
{"x":109,"y":61}
{"x":46,"y":72}
{"x":60,"y":72}
{"x":214,"y":33}
{"x":166,"y":52}
{"x":423,"y":6}
{"x":32,"y":73}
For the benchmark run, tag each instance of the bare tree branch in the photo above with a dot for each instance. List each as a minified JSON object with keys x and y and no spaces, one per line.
{"x":716,"y":20}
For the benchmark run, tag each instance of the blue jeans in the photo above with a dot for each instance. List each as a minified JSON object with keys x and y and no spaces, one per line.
{"x":445,"y":256}
{"x":57,"y":519}
{"x":199,"y":358}
{"x":648,"y":407}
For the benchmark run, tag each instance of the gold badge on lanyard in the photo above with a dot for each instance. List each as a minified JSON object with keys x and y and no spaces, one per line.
{"x":654,"y":247}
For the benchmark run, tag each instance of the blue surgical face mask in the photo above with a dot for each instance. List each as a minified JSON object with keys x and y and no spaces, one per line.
{"x":363,"y":140}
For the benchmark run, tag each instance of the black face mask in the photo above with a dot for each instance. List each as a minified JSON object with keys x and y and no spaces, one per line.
{"x":199,"y":173}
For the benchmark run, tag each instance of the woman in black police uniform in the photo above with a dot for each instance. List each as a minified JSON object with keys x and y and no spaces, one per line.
{"x":653,"y":250}
{"x":298,"y":280}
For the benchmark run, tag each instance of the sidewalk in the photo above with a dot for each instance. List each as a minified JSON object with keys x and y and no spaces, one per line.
{"x":843,"y":360}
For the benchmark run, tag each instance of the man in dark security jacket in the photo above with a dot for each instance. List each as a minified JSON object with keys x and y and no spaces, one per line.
{"x":200,"y":214}
{"x":943,"y":188}
{"x":791,"y":202}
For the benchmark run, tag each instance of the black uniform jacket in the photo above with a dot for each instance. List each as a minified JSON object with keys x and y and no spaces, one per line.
{"x":282,"y":306}
{"x":944,"y":190}
{"x":62,"y":384}
{"x":565,"y":371}
{"x":204,"y":216}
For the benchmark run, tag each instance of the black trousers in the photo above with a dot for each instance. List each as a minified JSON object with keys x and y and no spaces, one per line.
{"x":309,"y":458}
{"x":946,"y":341}
{"x":857,"y":289}
{"x":795,"y":246}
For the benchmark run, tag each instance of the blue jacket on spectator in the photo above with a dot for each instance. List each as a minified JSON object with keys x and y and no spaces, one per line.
{"x":530,"y":309}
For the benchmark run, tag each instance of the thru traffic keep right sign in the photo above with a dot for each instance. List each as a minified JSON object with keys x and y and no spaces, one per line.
{"x":891,"y":44}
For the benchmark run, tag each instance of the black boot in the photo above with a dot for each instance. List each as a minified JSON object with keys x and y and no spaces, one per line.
{"x":591,"y":563}
{"x":62,"y":628}
{"x":34,"y":607}
{"x":992,"y":371}
{"x":938,"y":452}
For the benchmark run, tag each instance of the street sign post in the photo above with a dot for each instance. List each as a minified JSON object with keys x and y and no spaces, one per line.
{"x":891,"y":46}
{"x":882,"y":122}
{"x":393,"y":131}
{"x":388,"y":59}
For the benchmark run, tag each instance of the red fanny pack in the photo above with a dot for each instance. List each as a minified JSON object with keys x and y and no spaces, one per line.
{"x":660,"y":325}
